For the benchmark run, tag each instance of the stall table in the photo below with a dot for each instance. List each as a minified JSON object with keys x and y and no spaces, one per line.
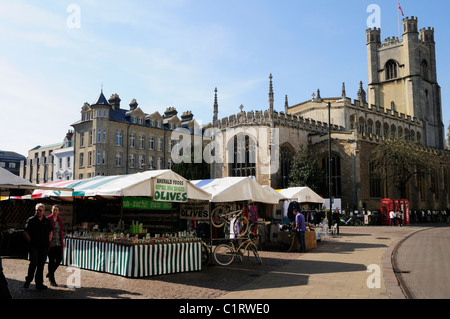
{"x":290,"y":238}
{"x":133,"y":260}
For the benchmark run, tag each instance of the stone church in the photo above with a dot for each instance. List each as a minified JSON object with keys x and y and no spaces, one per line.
{"x":403,"y":99}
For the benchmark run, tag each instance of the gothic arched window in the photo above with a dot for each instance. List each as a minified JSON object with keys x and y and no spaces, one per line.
{"x":391,"y":70}
{"x":336,"y":186}
{"x":244,"y":156}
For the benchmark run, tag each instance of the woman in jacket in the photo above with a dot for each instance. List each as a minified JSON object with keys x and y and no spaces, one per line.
{"x":55,"y":250}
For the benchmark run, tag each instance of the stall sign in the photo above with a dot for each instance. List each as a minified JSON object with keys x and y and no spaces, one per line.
{"x":145,"y":203}
{"x":170,"y":190}
{"x":199,"y":211}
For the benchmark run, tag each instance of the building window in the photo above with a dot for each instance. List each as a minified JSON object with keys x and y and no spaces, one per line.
{"x":141,"y":161}
{"x":152,"y":162}
{"x":375,"y":182}
{"x":81,"y":159}
{"x":152,"y":143}
{"x":99,"y":136}
{"x":141,"y":142}
{"x":119,"y":160}
{"x":132,"y":140}
{"x":99,"y":157}
{"x":82,"y":139}
{"x":132,"y":161}
{"x":119,"y":139}
{"x":391,"y":70}
{"x":161,"y":144}
{"x":244,"y":156}
{"x":336,"y":178}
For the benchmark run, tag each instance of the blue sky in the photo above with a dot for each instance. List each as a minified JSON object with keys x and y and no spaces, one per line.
{"x":56,"y":55}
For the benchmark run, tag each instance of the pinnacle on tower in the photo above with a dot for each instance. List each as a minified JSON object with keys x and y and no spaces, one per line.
{"x":270,"y":94}
{"x":216,"y":106}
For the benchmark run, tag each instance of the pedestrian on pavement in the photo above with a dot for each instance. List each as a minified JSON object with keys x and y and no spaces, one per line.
{"x":336,"y":219}
{"x":392,"y":218}
{"x":400,"y":218}
{"x":55,"y":251}
{"x":38,"y":231}
{"x":300,"y":228}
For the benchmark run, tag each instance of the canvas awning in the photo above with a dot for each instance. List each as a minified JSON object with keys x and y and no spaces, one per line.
{"x":162,"y":185}
{"x":13,"y":185}
{"x":232,"y":189}
{"x":302,"y":195}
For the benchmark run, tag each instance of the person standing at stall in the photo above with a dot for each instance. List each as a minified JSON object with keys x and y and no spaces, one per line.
{"x":300,"y":228}
{"x":336,"y":219}
{"x":55,"y":251}
{"x":38,"y":231}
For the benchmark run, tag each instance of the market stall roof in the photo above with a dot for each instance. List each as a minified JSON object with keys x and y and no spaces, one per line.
{"x":302,"y":195}
{"x":13,"y":185}
{"x":139,"y":184}
{"x":231,"y":189}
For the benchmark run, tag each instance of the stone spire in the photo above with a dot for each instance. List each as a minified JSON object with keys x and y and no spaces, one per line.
{"x":286,"y":105}
{"x":270,"y":95}
{"x":216,"y":107}
{"x":343,"y":89}
{"x":361,"y":93}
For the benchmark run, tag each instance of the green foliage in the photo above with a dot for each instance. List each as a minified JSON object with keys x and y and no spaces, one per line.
{"x":192,"y":170}
{"x":305,"y":170}
{"x":398,"y":160}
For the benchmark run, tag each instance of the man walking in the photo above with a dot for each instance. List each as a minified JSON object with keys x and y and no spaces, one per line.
{"x":300,"y":228}
{"x":38,"y":231}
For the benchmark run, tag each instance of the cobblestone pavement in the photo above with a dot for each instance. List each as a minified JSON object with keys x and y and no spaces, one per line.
{"x":338,"y":261}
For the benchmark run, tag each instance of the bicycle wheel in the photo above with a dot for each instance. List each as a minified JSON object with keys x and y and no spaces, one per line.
{"x":205,"y":254}
{"x":255,"y":252}
{"x":241,"y":226}
{"x":223,"y":255}
{"x":219,"y":216}
{"x":357,"y":223}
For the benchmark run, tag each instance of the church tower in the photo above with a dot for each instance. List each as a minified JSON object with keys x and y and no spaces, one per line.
{"x":403,"y":77}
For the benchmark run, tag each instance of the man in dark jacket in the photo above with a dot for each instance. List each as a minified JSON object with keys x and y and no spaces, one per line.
{"x":38,"y":231}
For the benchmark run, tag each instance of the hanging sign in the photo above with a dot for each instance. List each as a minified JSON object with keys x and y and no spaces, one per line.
{"x":199,"y":211}
{"x":170,"y":190}
{"x":145,"y":203}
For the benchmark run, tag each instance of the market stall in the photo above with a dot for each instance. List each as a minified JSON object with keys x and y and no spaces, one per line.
{"x":242,"y":193}
{"x":305,"y":199}
{"x":129,"y":249}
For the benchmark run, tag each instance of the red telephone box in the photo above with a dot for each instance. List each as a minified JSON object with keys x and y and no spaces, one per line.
{"x":403,"y":205}
{"x":386,"y":205}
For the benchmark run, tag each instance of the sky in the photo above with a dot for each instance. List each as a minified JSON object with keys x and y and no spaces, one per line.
{"x":55,"y":55}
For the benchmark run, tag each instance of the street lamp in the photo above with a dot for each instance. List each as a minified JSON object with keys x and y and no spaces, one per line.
{"x":329,"y":159}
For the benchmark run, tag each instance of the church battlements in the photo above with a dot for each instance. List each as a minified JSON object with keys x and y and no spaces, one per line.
{"x":279,"y":119}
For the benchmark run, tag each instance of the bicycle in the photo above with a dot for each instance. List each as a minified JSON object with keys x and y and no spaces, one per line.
{"x":221,"y":216}
{"x":352,"y":221}
{"x":224,"y":254}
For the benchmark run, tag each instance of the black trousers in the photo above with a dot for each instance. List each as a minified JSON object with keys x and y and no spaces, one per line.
{"x":38,"y":256}
{"x":54,"y":260}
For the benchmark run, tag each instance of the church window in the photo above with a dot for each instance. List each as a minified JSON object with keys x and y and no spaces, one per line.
{"x":375,"y":181}
{"x":336,"y":185}
{"x":424,"y":70}
{"x":244,"y":156}
{"x":391,"y":70}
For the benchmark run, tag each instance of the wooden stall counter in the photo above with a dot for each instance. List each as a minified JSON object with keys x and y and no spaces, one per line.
{"x":290,"y":238}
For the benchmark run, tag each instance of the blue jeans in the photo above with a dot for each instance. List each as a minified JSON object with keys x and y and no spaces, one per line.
{"x":301,"y":240}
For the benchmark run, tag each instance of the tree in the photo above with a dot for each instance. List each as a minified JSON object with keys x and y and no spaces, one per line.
{"x":397,"y":160}
{"x":192,"y":170}
{"x":305,"y":170}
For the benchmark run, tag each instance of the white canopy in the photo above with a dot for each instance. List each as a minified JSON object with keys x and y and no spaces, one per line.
{"x":11,"y":182}
{"x":302,"y":195}
{"x":232,"y":189}
{"x":163,"y":185}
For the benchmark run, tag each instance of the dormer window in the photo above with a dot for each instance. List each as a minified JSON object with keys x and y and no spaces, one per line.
{"x":391,"y":70}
